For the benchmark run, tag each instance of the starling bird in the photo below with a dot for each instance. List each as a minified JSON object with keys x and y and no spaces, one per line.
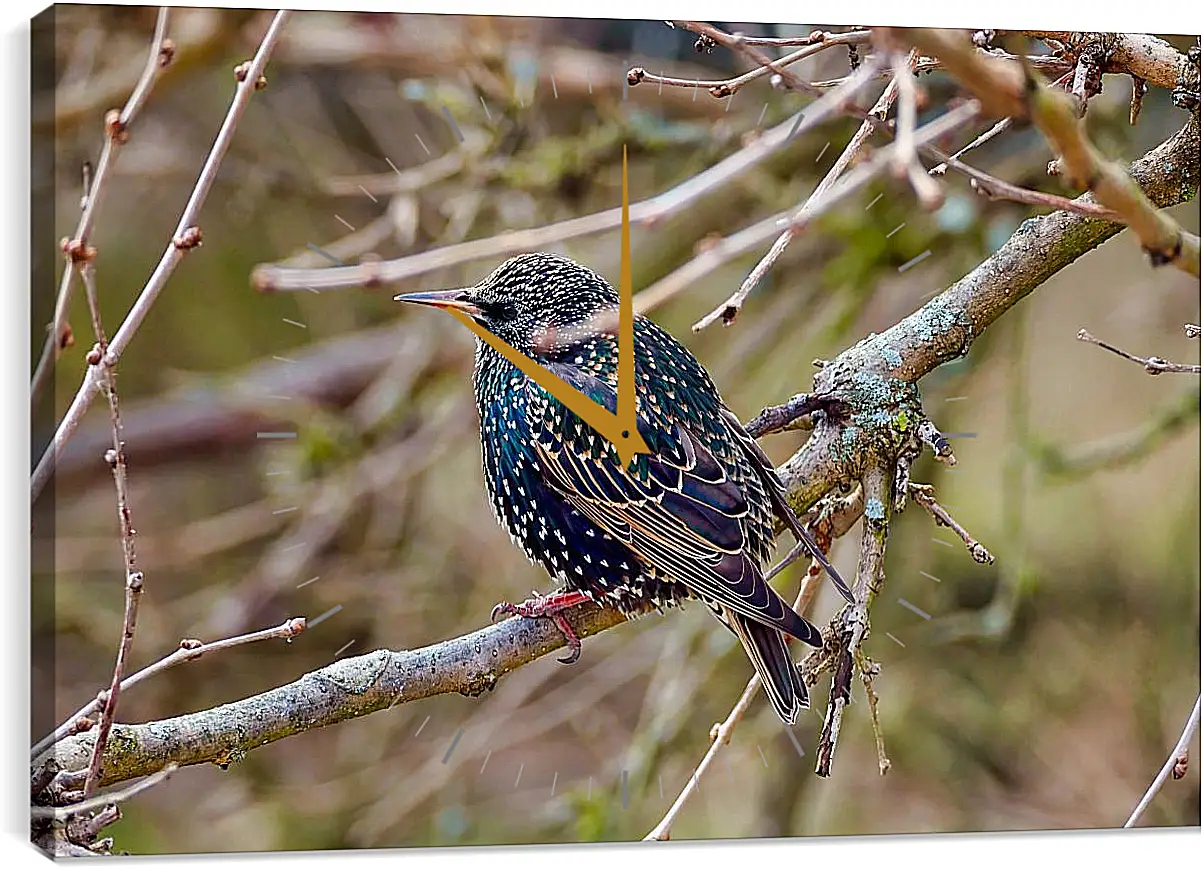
{"x":692,"y":519}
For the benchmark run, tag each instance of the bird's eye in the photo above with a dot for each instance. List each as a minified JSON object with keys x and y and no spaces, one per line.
{"x":498,"y":310}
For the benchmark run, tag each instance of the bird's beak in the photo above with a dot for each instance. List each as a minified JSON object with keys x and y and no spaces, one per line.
{"x":459,"y":300}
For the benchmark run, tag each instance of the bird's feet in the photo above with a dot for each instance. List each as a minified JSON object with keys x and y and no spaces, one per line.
{"x":549,"y":607}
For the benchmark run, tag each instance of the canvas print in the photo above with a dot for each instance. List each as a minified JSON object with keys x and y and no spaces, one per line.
{"x":491,"y":430}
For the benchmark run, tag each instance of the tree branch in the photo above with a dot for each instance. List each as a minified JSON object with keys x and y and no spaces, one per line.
{"x":186,"y":237}
{"x":116,"y":128}
{"x":1013,"y":91}
{"x":1174,"y":763}
{"x":853,"y":622}
{"x":346,"y":689}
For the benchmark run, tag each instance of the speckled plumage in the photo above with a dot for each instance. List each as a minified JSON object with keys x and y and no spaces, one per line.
{"x":694,"y":519}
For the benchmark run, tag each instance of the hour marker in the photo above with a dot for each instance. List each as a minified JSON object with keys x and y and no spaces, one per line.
{"x":326,"y":254}
{"x":895,"y":640}
{"x":945,"y":543}
{"x":325,"y":616}
{"x":450,"y":120}
{"x":913,"y":609}
{"x":295,"y":323}
{"x":368,"y":192}
{"x":454,"y":743}
{"x":729,"y":100}
{"x":554,"y":781}
{"x":763,"y":112}
{"x":421,"y":143}
{"x":763,"y":758}
{"x":485,"y":764}
{"x":274,"y":435}
{"x":893,"y":232}
{"x":904,"y":266}
{"x":283,"y":359}
{"x":555,"y":91}
{"x":344,"y":222}
{"x":955,"y":398}
{"x":393,"y":165}
{"x":588,"y":76}
{"x":345,"y":647}
{"x":930,"y":576}
{"x":823,"y":151}
{"x":874,"y":202}
{"x":286,"y":510}
{"x":280,"y":398}
{"x":796,"y":125}
{"x":793,"y":739}
{"x":307,"y":582}
{"x":487,"y":113}
{"x":425,"y":722}
{"x":517,"y":781}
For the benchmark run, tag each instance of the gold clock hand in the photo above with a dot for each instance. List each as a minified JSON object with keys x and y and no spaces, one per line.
{"x":620,"y":428}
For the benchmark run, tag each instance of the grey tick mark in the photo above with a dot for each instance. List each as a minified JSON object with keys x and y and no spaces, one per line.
{"x":912,"y":263}
{"x":913,"y":609}
{"x":325,"y":616}
{"x":451,"y":748}
{"x":326,"y":254}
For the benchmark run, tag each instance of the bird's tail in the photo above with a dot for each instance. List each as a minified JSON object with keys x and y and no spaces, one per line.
{"x":769,"y":653}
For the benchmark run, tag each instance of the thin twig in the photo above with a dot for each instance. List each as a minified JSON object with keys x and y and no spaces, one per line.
{"x":115,"y":456}
{"x":1012,"y":90}
{"x":116,"y":134}
{"x":833,"y":193}
{"x":905,"y":161}
{"x":729,"y":87}
{"x":273,"y":278}
{"x":103,"y":800}
{"x":186,"y":237}
{"x":870,"y":574}
{"x":189,"y":650}
{"x":1153,"y":365}
{"x":996,"y":130}
{"x":1171,"y":765}
{"x":833,"y":525}
{"x":869,"y":671}
{"x":924,"y":494}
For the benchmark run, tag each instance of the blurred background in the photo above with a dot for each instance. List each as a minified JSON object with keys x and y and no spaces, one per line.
{"x":1045,"y":690}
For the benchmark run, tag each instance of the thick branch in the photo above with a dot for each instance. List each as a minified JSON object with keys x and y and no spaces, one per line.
{"x":869,"y":373}
{"x":347,"y":689}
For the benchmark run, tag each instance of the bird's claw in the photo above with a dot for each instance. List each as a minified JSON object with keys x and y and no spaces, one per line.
{"x":548,"y":607}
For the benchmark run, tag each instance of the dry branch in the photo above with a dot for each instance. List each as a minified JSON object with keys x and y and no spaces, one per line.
{"x":1010,"y":90}
{"x":116,"y":130}
{"x":1172,"y":764}
{"x":186,"y":237}
{"x":345,"y":689}
{"x":1153,"y":365}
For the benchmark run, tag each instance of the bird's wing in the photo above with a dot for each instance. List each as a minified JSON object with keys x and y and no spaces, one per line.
{"x":677,"y":508}
{"x":780,"y":503}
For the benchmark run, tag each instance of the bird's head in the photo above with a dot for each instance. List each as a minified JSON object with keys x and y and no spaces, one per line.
{"x":538,"y":304}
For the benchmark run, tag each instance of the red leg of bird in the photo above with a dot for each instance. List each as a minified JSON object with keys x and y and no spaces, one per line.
{"x":549,"y":607}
